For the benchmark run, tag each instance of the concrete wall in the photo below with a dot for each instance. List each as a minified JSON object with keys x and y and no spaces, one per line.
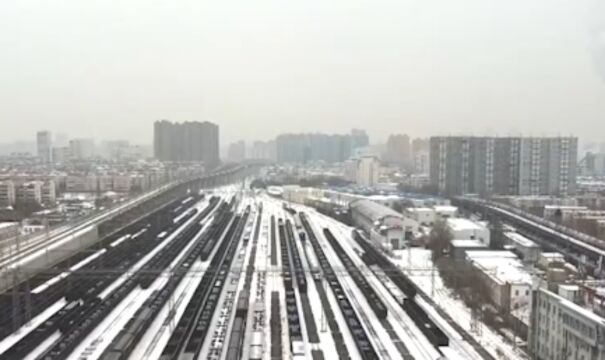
{"x":48,"y":256}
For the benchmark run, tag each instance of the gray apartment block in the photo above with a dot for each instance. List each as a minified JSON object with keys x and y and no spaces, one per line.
{"x":301,"y":148}
{"x":188,"y":141}
{"x":503,"y":165}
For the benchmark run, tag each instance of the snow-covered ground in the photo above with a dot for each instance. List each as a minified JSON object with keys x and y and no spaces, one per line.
{"x":418,"y":265}
{"x":94,"y":344}
{"x":30,"y":326}
{"x":416,"y":262}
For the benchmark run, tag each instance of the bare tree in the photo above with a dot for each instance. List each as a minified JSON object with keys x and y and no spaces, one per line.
{"x":439,"y":239}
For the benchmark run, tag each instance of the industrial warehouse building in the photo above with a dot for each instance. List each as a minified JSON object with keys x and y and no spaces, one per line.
{"x":386,"y":227}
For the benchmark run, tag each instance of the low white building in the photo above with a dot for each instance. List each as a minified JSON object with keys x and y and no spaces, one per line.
{"x":458,"y":248}
{"x":388,"y":228}
{"x":565,"y":325}
{"x":445,"y":211}
{"x":299,"y":195}
{"x":546,"y":259}
{"x":529,"y":250}
{"x":468,"y":229}
{"x":510,"y":285}
{"x":424,"y":215}
{"x":428,"y":215}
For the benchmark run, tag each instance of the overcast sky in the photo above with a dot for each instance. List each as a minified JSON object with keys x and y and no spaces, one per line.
{"x":259,"y":68}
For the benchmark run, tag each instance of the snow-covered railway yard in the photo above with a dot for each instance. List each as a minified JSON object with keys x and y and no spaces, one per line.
{"x":235,"y":275}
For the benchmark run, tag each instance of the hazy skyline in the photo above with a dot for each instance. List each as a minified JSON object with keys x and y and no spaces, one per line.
{"x":260,"y":68}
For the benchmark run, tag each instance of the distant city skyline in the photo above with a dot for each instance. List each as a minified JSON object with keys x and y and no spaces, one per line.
{"x":374,"y":139}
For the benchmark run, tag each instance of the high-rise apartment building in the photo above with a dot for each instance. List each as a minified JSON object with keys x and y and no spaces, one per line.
{"x":593,"y":164}
{"x":301,"y":148}
{"x":60,"y":140}
{"x":44,"y":146}
{"x":359,"y":138}
{"x":398,"y":150}
{"x":115,"y":149}
{"x":506,"y":166}
{"x":263,"y":150}
{"x":420,"y":155}
{"x":188,"y":141}
{"x":82,"y":149}
{"x":237,"y":151}
{"x":62,"y":154}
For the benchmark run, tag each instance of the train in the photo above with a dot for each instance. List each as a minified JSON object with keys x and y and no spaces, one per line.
{"x":95,"y":309}
{"x":234,"y":348}
{"x":362,"y":341}
{"x":297,"y":267}
{"x":371,"y":257}
{"x":294,"y":326}
{"x":193,"y":326}
{"x":360,"y":280}
{"x":83,"y":282}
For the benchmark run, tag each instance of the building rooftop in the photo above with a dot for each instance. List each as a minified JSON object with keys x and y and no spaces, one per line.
{"x":468,"y":243}
{"x":490,"y":254}
{"x":373,"y":210}
{"x":383,"y":197}
{"x":503,"y":266}
{"x":552,"y":255}
{"x":460,"y":224}
{"x":520,"y":239}
{"x":419,"y":209}
{"x":445,"y":208}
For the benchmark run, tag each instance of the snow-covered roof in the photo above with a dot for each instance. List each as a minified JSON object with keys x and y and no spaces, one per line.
{"x":490,"y":254}
{"x":445,"y":208}
{"x":503,"y":266}
{"x":468,"y":243}
{"x":520,"y":239}
{"x":552,"y":255}
{"x":373,"y":210}
{"x":460,"y":224}
{"x":384,"y":197}
{"x":419,"y":209}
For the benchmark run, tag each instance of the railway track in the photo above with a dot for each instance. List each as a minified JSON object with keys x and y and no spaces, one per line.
{"x":360,"y":336}
{"x":236,"y":338}
{"x":191,"y":330}
{"x":95,"y":309}
{"x":85,"y":284}
{"x":124,"y":343}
